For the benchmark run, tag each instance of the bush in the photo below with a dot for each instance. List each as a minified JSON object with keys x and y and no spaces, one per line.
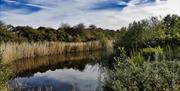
{"x":103,"y":39}
{"x":4,"y":76}
{"x":153,"y":53}
{"x":135,"y":74}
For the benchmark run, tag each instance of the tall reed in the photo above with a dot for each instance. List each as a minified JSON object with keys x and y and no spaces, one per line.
{"x":13,"y":51}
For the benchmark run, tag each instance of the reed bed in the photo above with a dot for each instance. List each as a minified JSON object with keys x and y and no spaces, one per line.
{"x":13,"y":51}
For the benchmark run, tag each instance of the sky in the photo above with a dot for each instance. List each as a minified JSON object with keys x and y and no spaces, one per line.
{"x":110,"y":14}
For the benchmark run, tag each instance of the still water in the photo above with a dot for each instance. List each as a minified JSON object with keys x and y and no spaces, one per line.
{"x":72,"y":72}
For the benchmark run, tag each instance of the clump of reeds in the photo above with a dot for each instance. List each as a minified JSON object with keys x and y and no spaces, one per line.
{"x":13,"y":50}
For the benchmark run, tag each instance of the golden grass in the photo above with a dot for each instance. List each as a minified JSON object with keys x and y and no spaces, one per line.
{"x":13,"y":51}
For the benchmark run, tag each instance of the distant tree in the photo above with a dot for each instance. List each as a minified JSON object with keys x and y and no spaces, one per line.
{"x":80,"y":26}
{"x":10,"y":27}
{"x":170,"y":21}
{"x":65,"y":26}
{"x":134,"y":35}
{"x":92,"y":27}
{"x":2,"y":25}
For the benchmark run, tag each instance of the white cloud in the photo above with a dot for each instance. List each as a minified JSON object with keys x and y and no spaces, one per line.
{"x":73,"y":12}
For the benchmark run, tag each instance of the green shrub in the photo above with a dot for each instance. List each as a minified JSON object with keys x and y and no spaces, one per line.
{"x":172,"y":53}
{"x":103,"y":39}
{"x":135,"y":74}
{"x":4,"y":76}
{"x":153,"y":53}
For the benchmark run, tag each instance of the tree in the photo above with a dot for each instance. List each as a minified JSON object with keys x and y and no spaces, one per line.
{"x":80,"y":27}
{"x":92,"y":27}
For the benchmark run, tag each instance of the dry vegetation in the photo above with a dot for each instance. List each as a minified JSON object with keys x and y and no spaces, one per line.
{"x":13,"y":50}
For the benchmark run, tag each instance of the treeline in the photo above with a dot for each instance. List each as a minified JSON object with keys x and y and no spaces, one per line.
{"x":66,"y":33}
{"x":151,"y":32}
{"x":145,"y":33}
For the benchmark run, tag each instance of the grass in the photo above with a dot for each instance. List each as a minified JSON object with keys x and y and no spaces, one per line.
{"x":13,"y":51}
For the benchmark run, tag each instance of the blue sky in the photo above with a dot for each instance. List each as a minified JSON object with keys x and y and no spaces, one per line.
{"x":111,"y":14}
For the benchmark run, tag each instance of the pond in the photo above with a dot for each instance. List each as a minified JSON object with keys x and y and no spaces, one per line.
{"x":71,"y":72}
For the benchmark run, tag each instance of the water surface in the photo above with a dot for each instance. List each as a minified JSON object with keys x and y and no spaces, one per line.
{"x":73,"y":72}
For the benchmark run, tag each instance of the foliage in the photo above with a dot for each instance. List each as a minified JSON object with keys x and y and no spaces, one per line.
{"x":153,"y":53}
{"x":4,"y":76}
{"x":66,"y":33}
{"x":103,"y":39}
{"x":129,"y":75}
{"x":136,"y":74}
{"x":6,"y":35}
{"x":151,"y":32}
{"x":172,"y":53}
